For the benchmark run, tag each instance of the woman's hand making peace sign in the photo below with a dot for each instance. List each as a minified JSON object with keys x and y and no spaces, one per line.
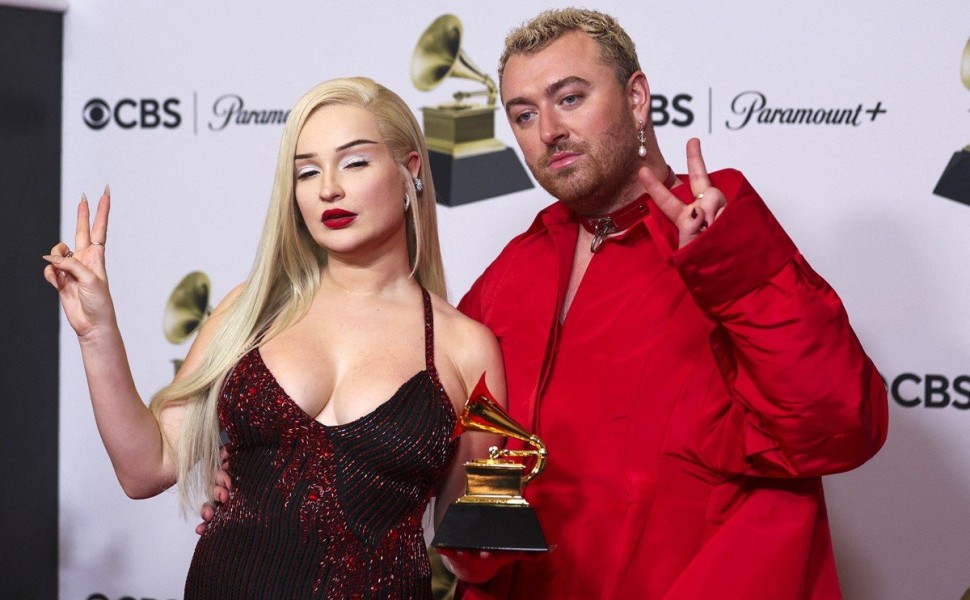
{"x":79,"y":276}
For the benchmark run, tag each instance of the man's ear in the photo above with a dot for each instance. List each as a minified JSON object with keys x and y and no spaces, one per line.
{"x":638,"y":96}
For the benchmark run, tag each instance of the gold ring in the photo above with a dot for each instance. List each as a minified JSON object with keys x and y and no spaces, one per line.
{"x":699,"y":196}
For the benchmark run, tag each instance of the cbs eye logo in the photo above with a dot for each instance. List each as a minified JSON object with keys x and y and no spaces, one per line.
{"x":128,"y":113}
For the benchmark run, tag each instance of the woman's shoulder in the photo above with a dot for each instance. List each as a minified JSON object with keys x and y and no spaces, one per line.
{"x":229,"y":298}
{"x":453,"y":322}
{"x":469,"y":345}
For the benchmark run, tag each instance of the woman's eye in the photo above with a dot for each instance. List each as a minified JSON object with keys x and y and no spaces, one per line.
{"x":306,"y":173}
{"x":357,"y":163}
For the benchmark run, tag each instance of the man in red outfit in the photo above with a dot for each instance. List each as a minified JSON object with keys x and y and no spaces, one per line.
{"x":692,"y":376}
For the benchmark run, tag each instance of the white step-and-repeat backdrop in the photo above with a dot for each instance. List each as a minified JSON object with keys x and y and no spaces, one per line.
{"x":844,"y":115}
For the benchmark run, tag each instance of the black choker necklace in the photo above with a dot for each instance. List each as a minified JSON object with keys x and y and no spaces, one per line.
{"x":620,"y":219}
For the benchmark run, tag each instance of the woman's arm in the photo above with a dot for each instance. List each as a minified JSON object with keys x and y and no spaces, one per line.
{"x":134,"y":439}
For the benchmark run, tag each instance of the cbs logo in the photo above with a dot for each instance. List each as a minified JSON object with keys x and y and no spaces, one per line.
{"x":671,"y":111}
{"x":930,"y":390}
{"x":128,"y":113}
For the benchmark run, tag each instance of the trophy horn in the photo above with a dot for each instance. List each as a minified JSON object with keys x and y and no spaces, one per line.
{"x":187,"y":308}
{"x":438,"y":55}
{"x":483,"y":413}
{"x":965,"y":66}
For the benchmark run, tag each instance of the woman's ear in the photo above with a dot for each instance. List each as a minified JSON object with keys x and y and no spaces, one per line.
{"x":413,"y":164}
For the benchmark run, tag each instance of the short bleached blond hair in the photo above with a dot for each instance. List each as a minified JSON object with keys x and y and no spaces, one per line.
{"x":617,"y":50}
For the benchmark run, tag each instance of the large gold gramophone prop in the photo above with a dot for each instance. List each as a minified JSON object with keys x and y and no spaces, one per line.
{"x":955,"y":181}
{"x":187,"y":309}
{"x":493,"y":515}
{"x":467,"y":162}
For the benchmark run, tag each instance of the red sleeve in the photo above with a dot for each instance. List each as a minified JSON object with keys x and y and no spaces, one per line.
{"x":806,"y":399}
{"x":471,"y":303}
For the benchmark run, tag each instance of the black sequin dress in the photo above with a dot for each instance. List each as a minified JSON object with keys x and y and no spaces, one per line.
{"x":323,"y":511}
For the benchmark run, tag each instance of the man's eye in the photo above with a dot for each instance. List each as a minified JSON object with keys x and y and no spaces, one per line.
{"x":524,"y":118}
{"x":570,"y":99}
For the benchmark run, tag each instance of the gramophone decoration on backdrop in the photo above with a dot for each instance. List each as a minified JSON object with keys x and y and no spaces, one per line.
{"x":955,"y":181}
{"x":492,"y":514}
{"x":187,"y":309}
{"x":467,"y":162}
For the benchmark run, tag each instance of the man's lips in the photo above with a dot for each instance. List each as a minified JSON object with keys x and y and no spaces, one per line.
{"x":560,"y":160}
{"x":336,"y":218}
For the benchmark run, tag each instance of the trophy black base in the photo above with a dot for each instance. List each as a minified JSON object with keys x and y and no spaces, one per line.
{"x":468,"y":526}
{"x":463,"y":179}
{"x":955,"y":181}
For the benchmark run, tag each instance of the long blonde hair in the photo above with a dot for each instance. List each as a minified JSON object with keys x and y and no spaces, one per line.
{"x":286,"y":272}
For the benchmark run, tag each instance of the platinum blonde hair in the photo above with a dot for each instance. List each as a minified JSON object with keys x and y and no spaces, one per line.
{"x":286,"y":272}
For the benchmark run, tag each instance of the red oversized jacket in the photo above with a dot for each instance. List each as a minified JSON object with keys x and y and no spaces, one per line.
{"x":690,"y":403}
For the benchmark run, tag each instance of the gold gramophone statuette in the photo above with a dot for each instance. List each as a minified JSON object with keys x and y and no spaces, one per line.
{"x":187,"y":309}
{"x":463,"y":151}
{"x":954,"y":183}
{"x":492,"y":514}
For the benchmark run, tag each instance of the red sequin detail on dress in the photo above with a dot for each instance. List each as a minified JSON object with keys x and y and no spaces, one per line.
{"x":325,"y":511}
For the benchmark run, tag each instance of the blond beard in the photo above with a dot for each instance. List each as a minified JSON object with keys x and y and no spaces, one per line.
{"x":595,"y":187}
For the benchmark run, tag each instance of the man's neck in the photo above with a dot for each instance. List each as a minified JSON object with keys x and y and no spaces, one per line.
{"x":632,"y":189}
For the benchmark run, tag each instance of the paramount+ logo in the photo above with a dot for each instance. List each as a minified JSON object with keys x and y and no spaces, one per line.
{"x":930,"y":390}
{"x":132,"y":113}
{"x":753,"y":108}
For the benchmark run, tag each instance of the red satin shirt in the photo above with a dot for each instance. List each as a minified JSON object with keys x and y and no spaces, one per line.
{"x":690,"y":403}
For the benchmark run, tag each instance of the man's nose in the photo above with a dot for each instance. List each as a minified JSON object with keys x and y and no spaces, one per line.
{"x":551,"y":128}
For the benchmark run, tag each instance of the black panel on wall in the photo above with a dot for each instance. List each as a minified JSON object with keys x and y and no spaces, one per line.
{"x":30,"y":182}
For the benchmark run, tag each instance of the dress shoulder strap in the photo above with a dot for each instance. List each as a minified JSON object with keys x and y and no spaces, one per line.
{"x":428,"y":331}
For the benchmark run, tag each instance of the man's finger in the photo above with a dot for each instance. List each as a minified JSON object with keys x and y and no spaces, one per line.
{"x":696,"y":169}
{"x":665,"y":201}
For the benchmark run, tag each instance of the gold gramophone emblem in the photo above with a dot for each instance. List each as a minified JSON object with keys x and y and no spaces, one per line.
{"x":965,"y":66}
{"x":187,"y":309}
{"x":465,"y":156}
{"x":955,"y":181}
{"x":456,"y":128}
{"x":492,"y":514}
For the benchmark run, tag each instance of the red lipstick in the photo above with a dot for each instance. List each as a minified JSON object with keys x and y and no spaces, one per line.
{"x":336,"y":218}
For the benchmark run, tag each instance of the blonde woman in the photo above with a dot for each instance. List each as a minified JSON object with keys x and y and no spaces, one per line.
{"x":335,"y":371}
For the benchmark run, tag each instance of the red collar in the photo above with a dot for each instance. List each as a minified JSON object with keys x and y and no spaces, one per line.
{"x":620,"y":219}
